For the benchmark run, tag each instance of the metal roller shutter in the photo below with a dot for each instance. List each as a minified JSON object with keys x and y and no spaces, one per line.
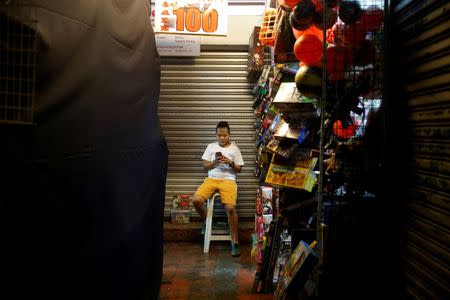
{"x":197,"y":93}
{"x":423,"y":28}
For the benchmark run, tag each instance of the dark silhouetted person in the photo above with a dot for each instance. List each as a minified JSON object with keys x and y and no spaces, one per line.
{"x":82,"y":190}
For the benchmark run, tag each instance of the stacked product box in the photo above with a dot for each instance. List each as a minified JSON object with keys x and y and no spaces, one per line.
{"x":181,"y":209}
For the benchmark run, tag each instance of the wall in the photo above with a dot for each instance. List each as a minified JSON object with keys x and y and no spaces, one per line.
{"x":421,"y":81}
{"x":241,"y":20}
{"x":196,"y":93}
{"x":239,"y":30}
{"x":202,"y":90}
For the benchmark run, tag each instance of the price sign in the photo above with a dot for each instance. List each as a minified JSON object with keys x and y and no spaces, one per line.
{"x":202,"y":17}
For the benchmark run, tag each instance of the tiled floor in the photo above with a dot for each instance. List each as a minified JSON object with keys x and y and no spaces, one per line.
{"x":215,"y":275}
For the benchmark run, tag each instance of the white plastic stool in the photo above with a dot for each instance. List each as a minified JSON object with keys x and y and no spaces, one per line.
{"x":210,"y":233}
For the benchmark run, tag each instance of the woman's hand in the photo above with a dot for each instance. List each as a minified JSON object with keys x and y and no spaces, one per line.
{"x":227,"y":161}
{"x":222,"y":160}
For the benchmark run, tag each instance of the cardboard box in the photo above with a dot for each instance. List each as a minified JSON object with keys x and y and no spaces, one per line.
{"x":255,"y":59}
{"x":283,"y":50}
{"x":297,"y":270}
{"x":297,"y":174}
{"x":180,"y":216}
{"x":289,"y":98}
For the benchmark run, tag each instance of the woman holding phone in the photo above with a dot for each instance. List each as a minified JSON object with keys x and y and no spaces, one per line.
{"x":223,"y":160}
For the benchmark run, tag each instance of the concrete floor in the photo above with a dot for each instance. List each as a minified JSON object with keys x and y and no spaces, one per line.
{"x":193,"y":274}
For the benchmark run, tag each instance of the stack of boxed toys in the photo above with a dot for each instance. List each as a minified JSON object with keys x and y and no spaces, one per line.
{"x":181,"y":209}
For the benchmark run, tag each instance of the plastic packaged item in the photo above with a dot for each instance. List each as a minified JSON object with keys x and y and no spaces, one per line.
{"x":181,"y":202}
{"x":180,"y":216}
{"x":269,"y":27}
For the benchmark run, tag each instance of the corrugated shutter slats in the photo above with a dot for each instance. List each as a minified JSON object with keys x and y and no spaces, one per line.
{"x":197,"y":93}
{"x":424,"y":30}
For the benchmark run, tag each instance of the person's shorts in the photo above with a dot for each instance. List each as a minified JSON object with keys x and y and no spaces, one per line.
{"x":227,"y":189}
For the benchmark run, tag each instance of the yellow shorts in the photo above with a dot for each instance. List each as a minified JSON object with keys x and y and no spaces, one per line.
{"x":227,"y":189}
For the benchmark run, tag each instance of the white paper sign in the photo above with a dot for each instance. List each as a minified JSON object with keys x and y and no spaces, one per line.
{"x":201,"y":17}
{"x":177,"y":45}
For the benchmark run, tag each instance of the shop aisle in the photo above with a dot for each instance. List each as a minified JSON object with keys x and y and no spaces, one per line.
{"x":215,"y":275}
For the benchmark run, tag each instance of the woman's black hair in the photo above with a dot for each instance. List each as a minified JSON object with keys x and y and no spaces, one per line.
{"x":223,"y":124}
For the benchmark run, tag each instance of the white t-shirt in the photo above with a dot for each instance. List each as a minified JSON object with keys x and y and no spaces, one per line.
{"x":223,"y":170}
